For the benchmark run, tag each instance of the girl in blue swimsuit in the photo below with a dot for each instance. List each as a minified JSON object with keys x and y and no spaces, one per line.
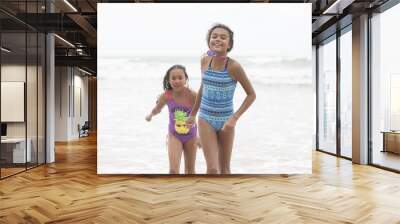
{"x":217,"y":118}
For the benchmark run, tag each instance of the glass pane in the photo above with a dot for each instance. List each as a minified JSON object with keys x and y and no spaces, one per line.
{"x":395,"y":102}
{"x":31,"y":100}
{"x":346,"y":93}
{"x":327,"y":97}
{"x":8,"y":24}
{"x":14,"y":5}
{"x":13,"y":86}
{"x":42,"y":6}
{"x":386,"y":89}
{"x":41,"y":98}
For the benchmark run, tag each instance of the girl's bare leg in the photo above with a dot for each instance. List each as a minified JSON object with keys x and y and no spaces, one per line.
{"x":175,"y":149}
{"x":225,"y":139}
{"x":189,"y":152}
{"x":209,"y":143}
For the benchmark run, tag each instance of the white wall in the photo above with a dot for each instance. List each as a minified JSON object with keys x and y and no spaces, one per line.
{"x":13,"y":73}
{"x":33,"y":127}
{"x":61,"y":103}
{"x":71,"y":93}
{"x":81,"y":103}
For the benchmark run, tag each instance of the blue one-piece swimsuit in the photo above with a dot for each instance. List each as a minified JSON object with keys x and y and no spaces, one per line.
{"x":217,"y":99}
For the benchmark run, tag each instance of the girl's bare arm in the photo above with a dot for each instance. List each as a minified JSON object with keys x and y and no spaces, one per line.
{"x":157,"y":109}
{"x":196,"y":105}
{"x":239,"y":75}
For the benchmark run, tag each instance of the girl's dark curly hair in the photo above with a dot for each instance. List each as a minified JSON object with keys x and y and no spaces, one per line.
{"x":166,"y":84}
{"x":222,"y":26}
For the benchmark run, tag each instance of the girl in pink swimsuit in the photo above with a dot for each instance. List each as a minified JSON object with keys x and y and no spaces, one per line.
{"x":181,"y":137}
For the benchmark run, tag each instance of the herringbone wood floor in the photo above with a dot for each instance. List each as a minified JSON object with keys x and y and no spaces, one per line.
{"x":70,"y":191}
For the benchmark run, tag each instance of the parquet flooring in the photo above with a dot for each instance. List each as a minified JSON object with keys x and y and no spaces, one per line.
{"x":70,"y":191}
{"x":10,"y":171}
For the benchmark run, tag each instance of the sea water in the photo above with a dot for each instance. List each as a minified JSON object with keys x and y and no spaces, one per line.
{"x":273,"y":136}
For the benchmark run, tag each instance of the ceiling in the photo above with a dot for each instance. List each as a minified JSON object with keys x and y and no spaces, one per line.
{"x":76,"y":23}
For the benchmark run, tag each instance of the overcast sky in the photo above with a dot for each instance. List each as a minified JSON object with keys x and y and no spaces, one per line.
{"x":260,"y":29}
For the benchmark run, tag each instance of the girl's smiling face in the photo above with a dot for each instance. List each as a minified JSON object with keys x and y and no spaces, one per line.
{"x":219,"y":41}
{"x":177,"y":79}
